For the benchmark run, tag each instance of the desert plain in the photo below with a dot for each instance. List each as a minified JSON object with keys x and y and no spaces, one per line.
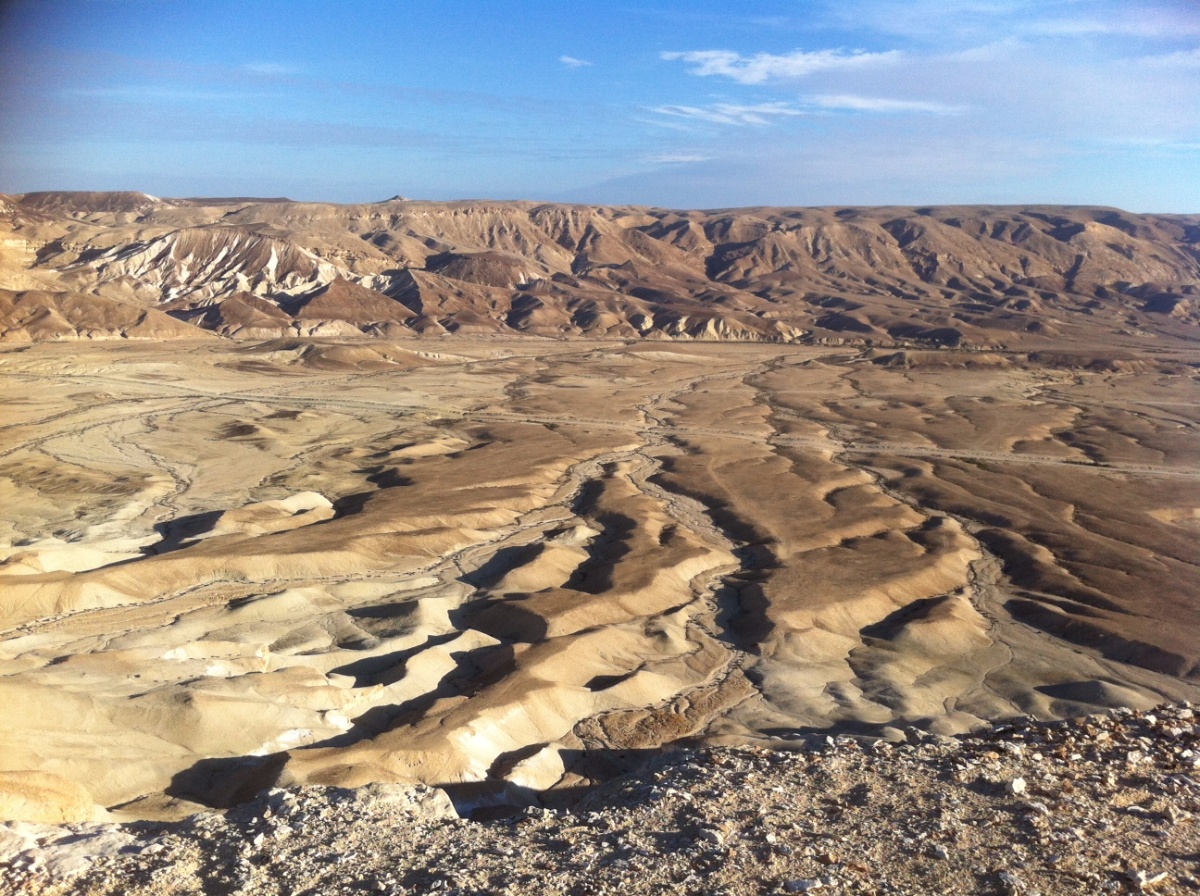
{"x":509,"y":549}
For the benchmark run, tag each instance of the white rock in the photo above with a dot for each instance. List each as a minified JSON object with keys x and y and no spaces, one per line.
{"x":1144,"y":880}
{"x":337,"y":720}
{"x":1016,"y":786}
{"x":802,"y":885}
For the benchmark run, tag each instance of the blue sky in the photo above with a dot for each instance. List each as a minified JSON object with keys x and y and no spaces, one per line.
{"x":685,"y":104}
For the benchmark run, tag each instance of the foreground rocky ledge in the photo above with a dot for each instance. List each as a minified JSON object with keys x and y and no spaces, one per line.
{"x":1099,"y":804}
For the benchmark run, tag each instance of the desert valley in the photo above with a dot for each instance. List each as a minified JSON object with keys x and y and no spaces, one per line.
{"x":504,"y":497}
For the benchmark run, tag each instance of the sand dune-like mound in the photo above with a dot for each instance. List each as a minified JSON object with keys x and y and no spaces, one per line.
{"x":263,"y":518}
{"x":509,"y":567}
{"x":488,"y":268}
{"x":346,"y":301}
{"x":241,"y":315}
{"x":37,"y":315}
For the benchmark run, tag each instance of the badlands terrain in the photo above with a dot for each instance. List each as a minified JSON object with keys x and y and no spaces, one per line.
{"x":504,"y":497}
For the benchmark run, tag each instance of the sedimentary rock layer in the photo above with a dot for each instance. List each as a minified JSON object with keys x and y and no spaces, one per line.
{"x":946,"y":276}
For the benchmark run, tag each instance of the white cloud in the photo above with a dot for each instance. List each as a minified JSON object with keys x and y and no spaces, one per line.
{"x":572,"y":62}
{"x":761,"y":114}
{"x":850,"y":103}
{"x":767,"y":66}
{"x":731,"y":113}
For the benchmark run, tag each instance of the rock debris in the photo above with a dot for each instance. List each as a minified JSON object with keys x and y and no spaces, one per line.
{"x":1110,"y":804}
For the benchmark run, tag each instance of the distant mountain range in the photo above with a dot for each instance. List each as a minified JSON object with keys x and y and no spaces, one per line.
{"x":123,"y":264}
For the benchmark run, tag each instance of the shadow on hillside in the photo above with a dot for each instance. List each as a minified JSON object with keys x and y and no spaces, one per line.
{"x":223,"y":783}
{"x":179,"y":533}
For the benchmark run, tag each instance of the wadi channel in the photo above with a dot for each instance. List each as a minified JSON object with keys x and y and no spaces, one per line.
{"x":510,"y":567}
{"x":504,"y":498}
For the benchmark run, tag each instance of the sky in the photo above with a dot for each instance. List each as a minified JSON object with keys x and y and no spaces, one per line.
{"x":701,"y":104}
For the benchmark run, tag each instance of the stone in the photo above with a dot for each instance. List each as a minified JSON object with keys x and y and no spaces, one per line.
{"x":1144,"y":880}
{"x":1010,"y":882}
{"x":802,"y":885}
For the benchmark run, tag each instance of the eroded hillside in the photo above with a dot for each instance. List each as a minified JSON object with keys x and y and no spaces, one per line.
{"x":509,"y":567}
{"x":969,"y":276}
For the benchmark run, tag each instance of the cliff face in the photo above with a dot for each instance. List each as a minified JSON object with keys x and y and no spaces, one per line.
{"x":965,"y":276}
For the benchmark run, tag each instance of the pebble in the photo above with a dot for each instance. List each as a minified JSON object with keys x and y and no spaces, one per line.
{"x":1010,"y":882}
{"x":909,"y":819}
{"x":803,"y":885}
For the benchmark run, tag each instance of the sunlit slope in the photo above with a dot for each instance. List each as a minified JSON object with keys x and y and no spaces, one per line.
{"x":958,"y":276}
{"x":509,"y":566}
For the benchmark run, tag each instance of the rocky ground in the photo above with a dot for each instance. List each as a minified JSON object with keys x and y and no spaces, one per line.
{"x":1096,"y":805}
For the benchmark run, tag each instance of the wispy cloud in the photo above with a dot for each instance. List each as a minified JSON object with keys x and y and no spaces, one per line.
{"x":160,"y":94}
{"x":760,"y":114}
{"x":1144,"y":144}
{"x":572,"y":62}
{"x":731,"y":113}
{"x":851,"y":103}
{"x":677,"y":158}
{"x":995,"y":51}
{"x":763,"y":67}
{"x":1148,"y":23}
{"x":270,"y":68}
{"x":1180,"y":59}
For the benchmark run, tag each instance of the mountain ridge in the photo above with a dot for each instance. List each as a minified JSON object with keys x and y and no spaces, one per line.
{"x":962,"y":276}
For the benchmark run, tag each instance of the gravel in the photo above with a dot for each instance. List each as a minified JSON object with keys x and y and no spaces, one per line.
{"x":1106,"y":804}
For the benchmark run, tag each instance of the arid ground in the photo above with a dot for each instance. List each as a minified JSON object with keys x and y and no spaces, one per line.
{"x":502,"y":496}
{"x":508,"y":565}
